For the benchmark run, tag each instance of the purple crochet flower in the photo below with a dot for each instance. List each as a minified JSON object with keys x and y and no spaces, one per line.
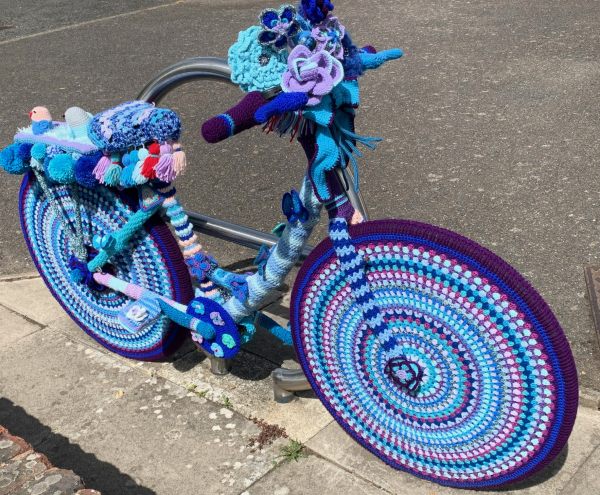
{"x":278,"y":27}
{"x":314,"y":73}
{"x":329,"y":35}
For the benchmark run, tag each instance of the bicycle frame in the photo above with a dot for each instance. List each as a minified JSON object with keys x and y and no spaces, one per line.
{"x":285,"y":381}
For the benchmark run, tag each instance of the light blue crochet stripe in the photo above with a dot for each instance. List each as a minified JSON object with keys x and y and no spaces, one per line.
{"x":282,"y":258}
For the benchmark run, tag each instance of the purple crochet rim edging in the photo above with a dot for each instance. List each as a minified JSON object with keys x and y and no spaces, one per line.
{"x":514,"y":280}
{"x":177,"y":272}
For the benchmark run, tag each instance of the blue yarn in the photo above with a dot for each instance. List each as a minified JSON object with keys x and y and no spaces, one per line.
{"x":375,"y":60}
{"x":282,"y":103}
{"x":84,"y":168}
{"x":24,"y":151}
{"x":133,"y":124}
{"x":353,"y":67}
{"x":127,"y":176}
{"x":38,"y":151}
{"x":7,"y":155}
{"x":41,"y":127}
{"x":61,"y":169}
{"x":245,"y":58}
{"x":313,"y":11}
{"x":11,"y":161}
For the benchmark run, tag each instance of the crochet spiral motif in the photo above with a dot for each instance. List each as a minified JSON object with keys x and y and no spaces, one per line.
{"x":471,"y":383}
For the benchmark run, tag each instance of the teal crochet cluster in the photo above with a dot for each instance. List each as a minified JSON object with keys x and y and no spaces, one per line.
{"x":255,"y":67}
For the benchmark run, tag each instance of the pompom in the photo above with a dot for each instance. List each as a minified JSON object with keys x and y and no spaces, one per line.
{"x":84,"y":170}
{"x":61,"y":169}
{"x":7,"y":155}
{"x":38,"y":151}
{"x":10,"y":160}
{"x":101,"y":167}
{"x":24,"y":151}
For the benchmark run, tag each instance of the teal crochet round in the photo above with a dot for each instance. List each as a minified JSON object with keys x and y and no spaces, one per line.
{"x":255,"y":67}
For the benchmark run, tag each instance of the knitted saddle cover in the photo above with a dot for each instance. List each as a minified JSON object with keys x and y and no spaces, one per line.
{"x":497,"y":386}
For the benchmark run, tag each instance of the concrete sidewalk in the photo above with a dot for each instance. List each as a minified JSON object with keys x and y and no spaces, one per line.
{"x":174,"y":428}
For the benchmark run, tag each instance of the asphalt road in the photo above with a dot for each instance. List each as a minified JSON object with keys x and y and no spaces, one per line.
{"x":491,"y":121}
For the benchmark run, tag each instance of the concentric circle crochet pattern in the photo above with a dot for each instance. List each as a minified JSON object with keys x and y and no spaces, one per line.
{"x":154,"y":262}
{"x":497,"y":386}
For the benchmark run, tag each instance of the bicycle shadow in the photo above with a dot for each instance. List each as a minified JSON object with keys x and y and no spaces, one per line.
{"x":64,"y":454}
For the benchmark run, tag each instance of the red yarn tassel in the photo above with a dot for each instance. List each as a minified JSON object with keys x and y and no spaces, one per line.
{"x":151,"y":161}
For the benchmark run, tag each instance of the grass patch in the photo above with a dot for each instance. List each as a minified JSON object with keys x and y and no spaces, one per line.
{"x":293,"y":451}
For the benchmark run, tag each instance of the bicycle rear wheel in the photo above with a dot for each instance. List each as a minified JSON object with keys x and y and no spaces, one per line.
{"x":497,"y":394}
{"x":154,"y":262}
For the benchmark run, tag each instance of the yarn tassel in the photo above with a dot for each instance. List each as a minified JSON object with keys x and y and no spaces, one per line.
{"x":112,"y":177}
{"x":165,"y":167}
{"x":101,"y":167}
{"x":148,"y":168}
{"x":137,"y":175}
{"x":179,"y":159}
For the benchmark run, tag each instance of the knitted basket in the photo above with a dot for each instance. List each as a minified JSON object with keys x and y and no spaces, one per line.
{"x":494,"y":393}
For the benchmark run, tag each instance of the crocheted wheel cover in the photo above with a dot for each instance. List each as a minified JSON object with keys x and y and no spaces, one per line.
{"x":155,"y":263}
{"x":497,"y":393}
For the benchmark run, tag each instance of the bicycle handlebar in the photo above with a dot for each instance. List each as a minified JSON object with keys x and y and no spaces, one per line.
{"x":235,"y":120}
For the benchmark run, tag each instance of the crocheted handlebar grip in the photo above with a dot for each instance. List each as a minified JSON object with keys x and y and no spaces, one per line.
{"x":235,"y":120}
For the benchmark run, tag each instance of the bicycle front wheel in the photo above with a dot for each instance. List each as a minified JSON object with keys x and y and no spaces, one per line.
{"x":495,"y":393}
{"x":154,"y":262}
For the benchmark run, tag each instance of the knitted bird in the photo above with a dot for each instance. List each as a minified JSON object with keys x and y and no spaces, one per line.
{"x":41,"y":120}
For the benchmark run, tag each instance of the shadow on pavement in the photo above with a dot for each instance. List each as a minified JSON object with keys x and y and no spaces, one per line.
{"x":62,"y":453}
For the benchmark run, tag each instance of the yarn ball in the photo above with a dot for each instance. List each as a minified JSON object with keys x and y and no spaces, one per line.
{"x":24,"y":151}
{"x":38,"y":151}
{"x":84,"y":170}
{"x":61,"y":169}
{"x":255,"y":67}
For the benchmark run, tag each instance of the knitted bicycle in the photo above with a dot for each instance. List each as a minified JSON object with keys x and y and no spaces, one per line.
{"x":427,"y":348}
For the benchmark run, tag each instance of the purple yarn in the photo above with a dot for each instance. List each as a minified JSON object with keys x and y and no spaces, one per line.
{"x":235,"y":120}
{"x":282,"y":103}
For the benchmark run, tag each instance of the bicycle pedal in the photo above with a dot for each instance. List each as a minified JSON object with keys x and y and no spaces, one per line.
{"x":140,"y":314}
{"x":226,"y":341}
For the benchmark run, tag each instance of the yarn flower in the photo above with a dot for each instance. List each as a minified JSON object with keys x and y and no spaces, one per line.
{"x":314,"y":73}
{"x":329,"y":35}
{"x":279,"y":27}
{"x":316,"y":10}
{"x":255,"y":67}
